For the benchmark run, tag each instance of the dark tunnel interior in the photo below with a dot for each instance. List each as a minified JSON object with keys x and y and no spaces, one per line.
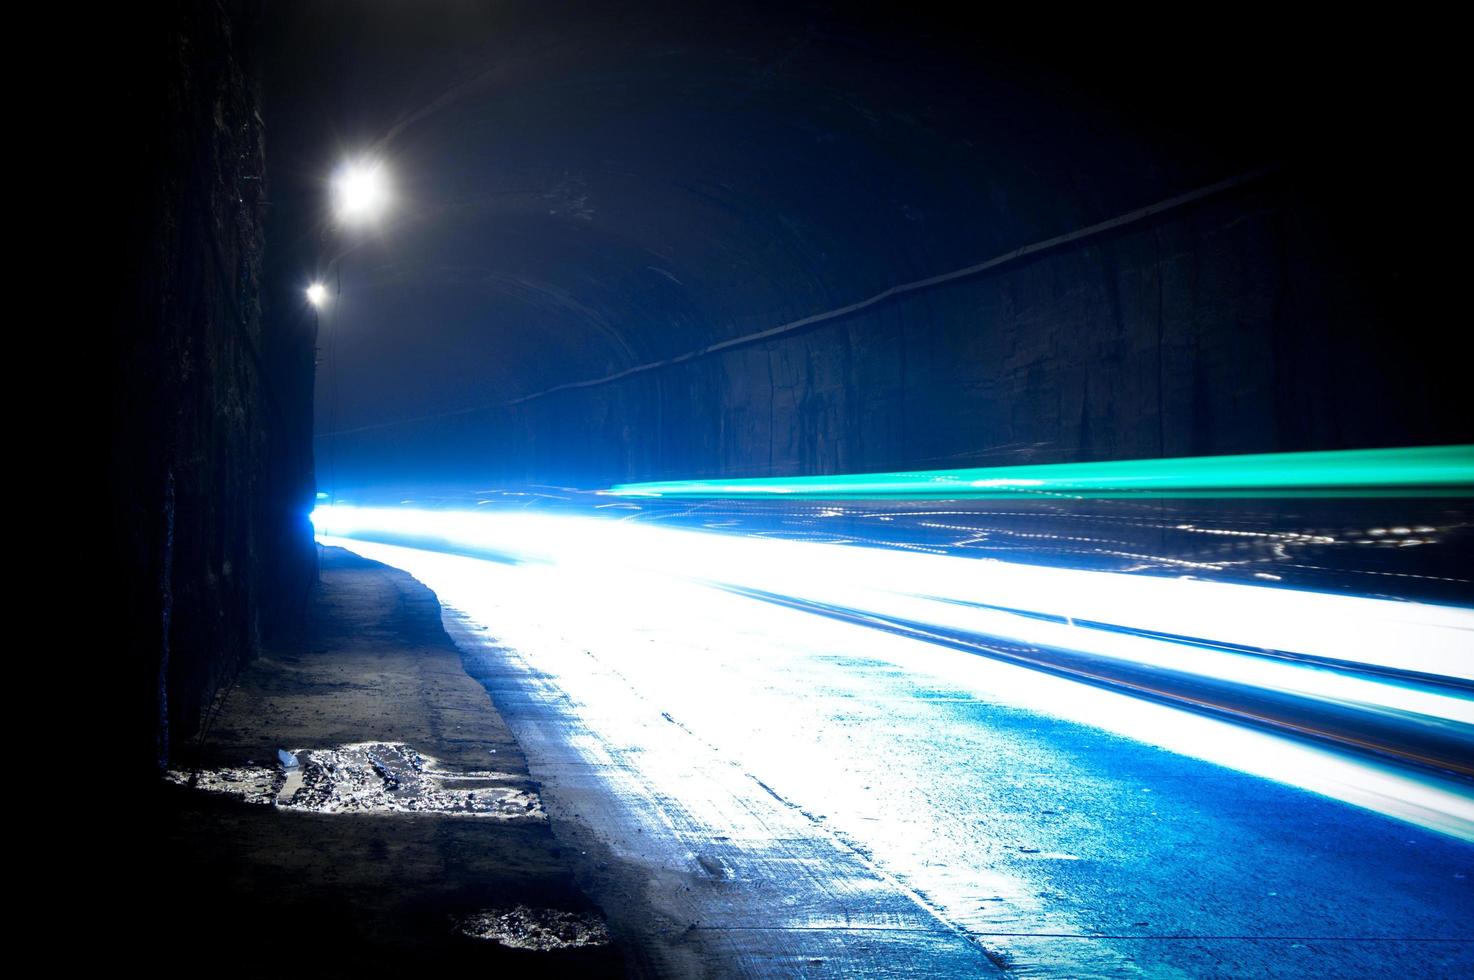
{"x":776,"y":489}
{"x":584,"y":197}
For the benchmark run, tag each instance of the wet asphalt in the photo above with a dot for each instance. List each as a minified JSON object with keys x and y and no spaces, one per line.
{"x":749,"y":790}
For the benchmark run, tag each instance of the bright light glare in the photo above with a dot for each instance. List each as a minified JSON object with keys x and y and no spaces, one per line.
{"x":360,"y":192}
{"x":1407,"y":636}
{"x":582,"y":558}
{"x":317,"y":294}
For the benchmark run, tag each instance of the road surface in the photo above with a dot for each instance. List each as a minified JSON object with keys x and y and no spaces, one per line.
{"x":752,"y":789}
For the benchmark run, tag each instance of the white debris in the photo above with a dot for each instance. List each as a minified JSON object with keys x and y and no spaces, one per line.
{"x":373,"y":777}
{"x":522,"y":927}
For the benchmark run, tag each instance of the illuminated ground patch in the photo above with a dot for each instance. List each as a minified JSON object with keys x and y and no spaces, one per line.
{"x":371,"y":777}
{"x":522,"y":927}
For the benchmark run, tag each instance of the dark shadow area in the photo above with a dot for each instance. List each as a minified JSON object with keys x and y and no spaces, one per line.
{"x":586,"y":193}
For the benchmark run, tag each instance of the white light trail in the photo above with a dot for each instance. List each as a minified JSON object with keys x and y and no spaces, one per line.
{"x":579,"y":556}
{"x":1404,"y":636}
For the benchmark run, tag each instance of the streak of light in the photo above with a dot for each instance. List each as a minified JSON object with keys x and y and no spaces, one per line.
{"x":1429,"y":470}
{"x":1384,"y":665}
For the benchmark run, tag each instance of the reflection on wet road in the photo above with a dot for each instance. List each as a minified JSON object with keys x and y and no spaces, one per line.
{"x":775,"y":791}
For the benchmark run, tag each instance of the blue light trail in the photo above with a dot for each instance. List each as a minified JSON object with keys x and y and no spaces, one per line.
{"x":1362,"y":699}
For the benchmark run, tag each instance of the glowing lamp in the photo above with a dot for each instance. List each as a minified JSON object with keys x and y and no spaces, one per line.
{"x":360,"y":193}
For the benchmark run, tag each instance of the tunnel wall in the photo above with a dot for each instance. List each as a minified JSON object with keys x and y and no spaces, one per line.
{"x":208,"y":416}
{"x":1249,"y":322}
{"x":580,"y":198}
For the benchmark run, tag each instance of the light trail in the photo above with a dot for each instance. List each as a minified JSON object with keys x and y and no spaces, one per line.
{"x":1418,"y":471}
{"x":1389,"y":677}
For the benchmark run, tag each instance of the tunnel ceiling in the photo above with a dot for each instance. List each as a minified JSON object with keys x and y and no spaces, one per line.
{"x":584,"y":189}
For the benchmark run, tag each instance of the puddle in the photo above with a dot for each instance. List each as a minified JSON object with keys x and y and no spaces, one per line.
{"x":372,"y":777}
{"x":522,"y":927}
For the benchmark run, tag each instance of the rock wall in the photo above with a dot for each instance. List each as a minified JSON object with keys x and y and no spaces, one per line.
{"x":208,"y":412}
{"x":1251,"y":322}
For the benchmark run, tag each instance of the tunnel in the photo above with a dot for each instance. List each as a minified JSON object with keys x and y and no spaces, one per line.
{"x":820,"y":489}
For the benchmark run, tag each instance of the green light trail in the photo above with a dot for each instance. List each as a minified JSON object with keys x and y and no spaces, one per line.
{"x":1438,"y":471}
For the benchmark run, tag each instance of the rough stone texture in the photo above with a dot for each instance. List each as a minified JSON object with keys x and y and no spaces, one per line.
{"x":208,"y":413}
{"x":1231,"y":326}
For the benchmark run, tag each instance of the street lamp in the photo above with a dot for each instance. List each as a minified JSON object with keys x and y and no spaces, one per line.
{"x":360,"y":192}
{"x":317,"y":294}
